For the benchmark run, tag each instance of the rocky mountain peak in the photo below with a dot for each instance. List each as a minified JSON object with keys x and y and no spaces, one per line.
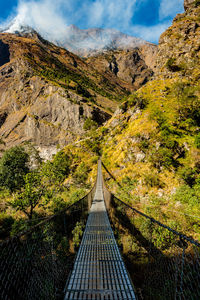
{"x":87,"y":42}
{"x":83,"y":42}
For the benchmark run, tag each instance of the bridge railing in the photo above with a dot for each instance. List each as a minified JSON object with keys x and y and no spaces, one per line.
{"x":164,"y":264}
{"x":34,"y":265}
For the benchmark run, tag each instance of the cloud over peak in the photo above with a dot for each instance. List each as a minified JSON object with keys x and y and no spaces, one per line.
{"x":50,"y":18}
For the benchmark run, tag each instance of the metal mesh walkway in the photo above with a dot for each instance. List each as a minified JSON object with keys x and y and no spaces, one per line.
{"x":99,"y":271}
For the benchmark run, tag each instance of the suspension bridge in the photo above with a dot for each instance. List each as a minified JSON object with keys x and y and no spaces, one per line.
{"x":160,"y":263}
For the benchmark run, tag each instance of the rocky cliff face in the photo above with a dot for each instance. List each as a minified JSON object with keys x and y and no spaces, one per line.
{"x":179,"y":47}
{"x":47,"y":93}
{"x":134,"y":66}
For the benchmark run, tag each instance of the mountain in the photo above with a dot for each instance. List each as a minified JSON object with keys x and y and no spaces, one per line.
{"x":88,"y":42}
{"x":83,"y":42}
{"x":47,"y":93}
{"x":151,"y":145}
{"x":135,"y":66}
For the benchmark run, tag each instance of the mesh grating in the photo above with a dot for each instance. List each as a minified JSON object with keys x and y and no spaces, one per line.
{"x":99,"y":271}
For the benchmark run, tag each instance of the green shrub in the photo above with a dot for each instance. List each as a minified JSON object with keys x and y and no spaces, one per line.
{"x":189,"y":175}
{"x":152,"y":180}
{"x":172,"y":66}
{"x":89,"y":124}
{"x":81,"y":173}
{"x":77,"y":234}
{"x":188,"y":103}
{"x":187,"y":195}
{"x":197,"y":141}
{"x":196,"y":3}
{"x":162,"y":157}
{"x":58,"y":169}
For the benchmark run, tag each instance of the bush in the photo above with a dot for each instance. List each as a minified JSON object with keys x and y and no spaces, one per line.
{"x":89,"y":124}
{"x":77,"y":234}
{"x":189,"y":175}
{"x":152,"y":180}
{"x":197,"y":141}
{"x":171,"y":65}
{"x":162,"y":157}
{"x":58,"y":169}
{"x":188,"y":102}
{"x":81,"y":173}
{"x":187,"y":195}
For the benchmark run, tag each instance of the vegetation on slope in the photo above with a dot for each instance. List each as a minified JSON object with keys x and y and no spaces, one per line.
{"x":28,"y":195}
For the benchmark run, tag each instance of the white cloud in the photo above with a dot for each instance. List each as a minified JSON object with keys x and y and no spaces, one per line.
{"x":42,"y":16}
{"x":50,"y":18}
{"x":169,"y":8}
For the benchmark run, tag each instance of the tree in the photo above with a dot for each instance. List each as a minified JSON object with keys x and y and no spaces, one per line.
{"x":30,"y":196}
{"x":13,"y":168}
{"x":58,"y":169}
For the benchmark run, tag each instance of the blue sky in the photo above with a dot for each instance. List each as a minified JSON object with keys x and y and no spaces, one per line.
{"x":142,"y":18}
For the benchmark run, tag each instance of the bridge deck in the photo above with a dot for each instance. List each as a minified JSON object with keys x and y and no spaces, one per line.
{"x":99,"y":271}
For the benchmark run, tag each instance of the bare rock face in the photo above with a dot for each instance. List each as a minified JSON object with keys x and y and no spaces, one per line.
{"x":188,"y":3}
{"x":179,"y":48}
{"x":47,"y":117}
{"x":134,"y":66}
{"x":41,"y":108}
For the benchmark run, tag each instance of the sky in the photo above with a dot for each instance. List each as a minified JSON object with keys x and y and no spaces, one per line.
{"x":146,"y":19}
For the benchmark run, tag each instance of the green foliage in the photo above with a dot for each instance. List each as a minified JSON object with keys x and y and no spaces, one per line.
{"x":13,"y":167}
{"x":188,"y":102}
{"x":63,"y":248}
{"x":144,"y":144}
{"x":189,"y":175}
{"x":94,"y":143}
{"x":77,"y":234}
{"x":19,"y":226}
{"x":58,"y":169}
{"x":152,"y":179}
{"x":83,"y":83}
{"x":172,"y":66}
{"x":81,"y":173}
{"x":197,"y":141}
{"x":30,"y":196}
{"x":162,"y":237}
{"x":197,"y":3}
{"x":188,"y":195}
{"x":90,"y":124}
{"x":163,"y":157}
{"x":58,"y":205}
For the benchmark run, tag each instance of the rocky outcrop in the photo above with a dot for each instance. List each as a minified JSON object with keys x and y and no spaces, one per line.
{"x":188,"y":3}
{"x":46,"y":116}
{"x":37,"y":104}
{"x":179,"y":47}
{"x":132,"y":66}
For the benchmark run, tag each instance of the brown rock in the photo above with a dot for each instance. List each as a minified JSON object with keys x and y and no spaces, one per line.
{"x":134,"y":67}
{"x":188,"y":3}
{"x":37,"y":104}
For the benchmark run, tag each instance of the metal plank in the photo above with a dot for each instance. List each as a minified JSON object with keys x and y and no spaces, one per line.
{"x":99,"y":271}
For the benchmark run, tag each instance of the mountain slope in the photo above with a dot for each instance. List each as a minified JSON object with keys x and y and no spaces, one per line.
{"x":134,"y":66}
{"x":152,"y":143}
{"x":47,"y":93}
